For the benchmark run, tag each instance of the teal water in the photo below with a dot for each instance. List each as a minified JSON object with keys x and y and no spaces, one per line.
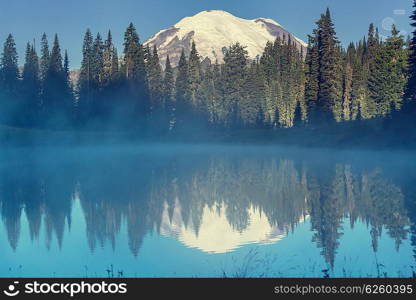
{"x":206,"y":211}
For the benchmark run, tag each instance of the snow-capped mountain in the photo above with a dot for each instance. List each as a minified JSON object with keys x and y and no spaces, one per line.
{"x":215,"y":234}
{"x":213,"y":31}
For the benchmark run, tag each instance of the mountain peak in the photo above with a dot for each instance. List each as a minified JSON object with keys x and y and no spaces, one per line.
{"x":215,"y":30}
{"x":214,"y":11}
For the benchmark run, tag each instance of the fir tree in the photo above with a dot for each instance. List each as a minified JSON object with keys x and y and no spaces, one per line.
{"x":155,"y":85}
{"x":299,"y":70}
{"x":373,"y":50}
{"x":66,"y":66}
{"x":359,"y":90}
{"x":84,"y":103}
{"x":97,"y":63}
{"x":372,"y":45}
{"x":31,"y":87}
{"x":110,"y":62}
{"x":347,"y":84}
{"x":135,"y":72}
{"x":292,"y":73}
{"x":68,"y":93}
{"x":114,"y":65}
{"x":268,"y":60}
{"x":254,"y":89}
{"x":96,"y":69}
{"x":411,"y":85}
{"x":209,"y":95}
{"x":181,"y":91}
{"x":217,"y":112}
{"x":312,"y":73}
{"x":330,"y":87}
{"x":194,"y":75}
{"x":168,"y":94}
{"x":134,"y":56}
{"x":388,"y":79}
{"x":154,"y":75}
{"x":234,"y":76}
{"x":9,"y":68}
{"x":44,"y":59}
{"x":57,"y":105}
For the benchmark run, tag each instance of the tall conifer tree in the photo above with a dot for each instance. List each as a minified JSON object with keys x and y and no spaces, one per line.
{"x":136,"y":75}
{"x":168,"y":94}
{"x":182,"y":107}
{"x":411,"y":85}
{"x":31,"y":87}
{"x":9,"y":68}
{"x":330,"y":85}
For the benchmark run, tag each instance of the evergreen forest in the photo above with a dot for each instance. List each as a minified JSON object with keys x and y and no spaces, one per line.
{"x":369,"y":84}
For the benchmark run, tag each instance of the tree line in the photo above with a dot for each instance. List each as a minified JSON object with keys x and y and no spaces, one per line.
{"x":286,"y":86}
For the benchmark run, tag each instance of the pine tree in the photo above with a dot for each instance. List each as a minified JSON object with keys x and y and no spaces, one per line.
{"x":115,"y":65}
{"x":68,"y":93}
{"x":194,"y":76}
{"x":66,"y":68}
{"x":155,"y":86}
{"x":57,"y":105}
{"x":234,"y":76}
{"x":292,"y":84}
{"x":31,"y":87}
{"x":373,"y":50}
{"x":388,"y":79}
{"x":181,"y":92}
{"x":168,"y":94}
{"x":56,"y":62}
{"x":372,"y":45}
{"x":210,"y":96}
{"x":253,"y":95}
{"x":348,"y":84}
{"x":312,"y":73}
{"x":398,"y":68}
{"x":84,"y":103}
{"x":269,"y":71}
{"x":218,"y":112}
{"x":134,"y":56}
{"x":9,"y":68}
{"x":154,"y":75}
{"x":110,"y":62}
{"x":272,"y":111}
{"x":268,"y":60}
{"x":97,"y":64}
{"x":44,"y":59}
{"x":411,"y":85}
{"x":330,"y":85}
{"x":359,"y":92}
{"x":299,"y":79}
{"x":135,"y":73}
{"x":85,"y":77}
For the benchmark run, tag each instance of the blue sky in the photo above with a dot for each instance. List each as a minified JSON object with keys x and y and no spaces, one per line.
{"x":28,"y":19}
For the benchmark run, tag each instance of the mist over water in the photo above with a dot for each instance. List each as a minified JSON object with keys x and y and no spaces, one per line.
{"x":206,"y":210}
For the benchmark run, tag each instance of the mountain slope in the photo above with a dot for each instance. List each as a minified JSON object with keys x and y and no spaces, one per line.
{"x":213,"y":31}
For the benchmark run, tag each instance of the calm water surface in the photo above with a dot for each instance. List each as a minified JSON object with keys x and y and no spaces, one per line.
{"x":206,"y":211}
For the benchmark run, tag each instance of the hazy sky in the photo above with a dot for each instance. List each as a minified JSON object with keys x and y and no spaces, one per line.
{"x":28,"y":19}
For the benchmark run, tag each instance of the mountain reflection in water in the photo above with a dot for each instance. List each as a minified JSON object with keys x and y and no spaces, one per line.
{"x":215,"y":200}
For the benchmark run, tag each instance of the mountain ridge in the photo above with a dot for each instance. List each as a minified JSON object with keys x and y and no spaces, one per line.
{"x":215,"y":30}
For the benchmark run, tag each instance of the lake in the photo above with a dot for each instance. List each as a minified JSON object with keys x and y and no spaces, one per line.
{"x":206,"y":211}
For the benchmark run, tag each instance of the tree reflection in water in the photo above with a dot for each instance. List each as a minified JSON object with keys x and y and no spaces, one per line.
{"x":214,"y":200}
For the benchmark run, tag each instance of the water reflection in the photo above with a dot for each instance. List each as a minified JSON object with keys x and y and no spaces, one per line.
{"x":215,"y":201}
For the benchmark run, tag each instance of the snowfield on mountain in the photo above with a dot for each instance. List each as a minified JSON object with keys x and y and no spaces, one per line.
{"x":215,"y":30}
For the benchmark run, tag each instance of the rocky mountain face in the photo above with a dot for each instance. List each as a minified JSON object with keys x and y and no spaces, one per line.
{"x":213,"y":31}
